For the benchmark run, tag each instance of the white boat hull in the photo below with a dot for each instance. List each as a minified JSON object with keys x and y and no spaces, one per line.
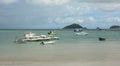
{"x":31,"y":37}
{"x":81,"y":33}
{"x":49,"y":42}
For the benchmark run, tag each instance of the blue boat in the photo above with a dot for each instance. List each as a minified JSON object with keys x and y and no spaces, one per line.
{"x":80,"y":32}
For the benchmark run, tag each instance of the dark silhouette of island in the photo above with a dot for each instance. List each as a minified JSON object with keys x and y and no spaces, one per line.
{"x":98,"y":28}
{"x":73,"y":26}
{"x":115,"y":27}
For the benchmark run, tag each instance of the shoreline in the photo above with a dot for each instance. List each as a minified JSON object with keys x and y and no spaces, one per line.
{"x":63,"y":63}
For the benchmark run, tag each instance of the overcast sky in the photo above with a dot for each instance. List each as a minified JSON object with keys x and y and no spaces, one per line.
{"x":49,"y":14}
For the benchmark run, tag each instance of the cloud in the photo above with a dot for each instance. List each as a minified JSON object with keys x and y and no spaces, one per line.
{"x":109,"y":7}
{"x":79,"y":8}
{"x":38,"y":2}
{"x":98,"y":1}
{"x":104,"y":5}
{"x":91,"y":19}
{"x":113,"y":19}
{"x":69,"y":20}
{"x":7,"y":2}
{"x":79,"y":20}
{"x":48,"y":2}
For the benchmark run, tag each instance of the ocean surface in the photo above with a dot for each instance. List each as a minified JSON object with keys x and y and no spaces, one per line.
{"x":69,"y":50}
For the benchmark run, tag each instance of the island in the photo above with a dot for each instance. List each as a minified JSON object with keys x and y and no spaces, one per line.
{"x":115,"y":27}
{"x":98,"y":28}
{"x":73,"y":26}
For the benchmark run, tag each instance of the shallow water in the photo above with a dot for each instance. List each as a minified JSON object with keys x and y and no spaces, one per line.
{"x":69,"y":50}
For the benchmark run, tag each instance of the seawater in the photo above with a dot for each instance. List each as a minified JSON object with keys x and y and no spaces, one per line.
{"x":70,"y":47}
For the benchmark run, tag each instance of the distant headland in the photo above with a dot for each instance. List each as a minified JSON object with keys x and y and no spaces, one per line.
{"x":74,"y":26}
{"x":115,"y":27}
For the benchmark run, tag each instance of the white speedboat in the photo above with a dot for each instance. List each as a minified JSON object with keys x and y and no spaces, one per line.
{"x":53,"y":37}
{"x":80,"y":32}
{"x":47,"y":42}
{"x":32,"y":37}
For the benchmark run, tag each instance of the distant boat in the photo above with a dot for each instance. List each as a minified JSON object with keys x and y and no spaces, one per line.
{"x":52,"y":33}
{"x":54,"y":37}
{"x":98,"y":29}
{"x":80,"y":32}
{"x":47,"y":42}
{"x":101,"y":39}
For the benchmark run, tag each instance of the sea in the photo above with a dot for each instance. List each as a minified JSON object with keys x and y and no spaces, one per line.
{"x":69,"y":50}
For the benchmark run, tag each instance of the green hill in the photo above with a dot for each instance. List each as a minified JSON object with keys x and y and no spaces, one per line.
{"x":73,"y":26}
{"x":115,"y":27}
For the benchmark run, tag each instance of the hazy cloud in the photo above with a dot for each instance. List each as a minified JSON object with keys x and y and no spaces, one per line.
{"x":99,"y":1}
{"x":92,"y":13}
{"x":91,"y":19}
{"x":48,"y":2}
{"x":69,"y":20}
{"x":113,"y":19}
{"x":7,"y":2}
{"x":79,"y":9}
{"x":109,"y":6}
{"x":36,"y":2}
{"x":57,"y":2}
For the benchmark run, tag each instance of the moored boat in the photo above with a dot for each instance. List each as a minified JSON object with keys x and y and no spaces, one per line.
{"x":53,"y":37}
{"x":47,"y":42}
{"x":80,"y":32}
{"x":52,"y":32}
{"x":28,"y":37}
{"x":32,"y":37}
{"x":101,"y":39}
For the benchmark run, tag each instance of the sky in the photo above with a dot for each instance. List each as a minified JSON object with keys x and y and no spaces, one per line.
{"x":55,"y":14}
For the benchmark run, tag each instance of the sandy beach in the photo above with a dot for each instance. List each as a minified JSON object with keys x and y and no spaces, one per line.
{"x":63,"y":63}
{"x":77,"y":55}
